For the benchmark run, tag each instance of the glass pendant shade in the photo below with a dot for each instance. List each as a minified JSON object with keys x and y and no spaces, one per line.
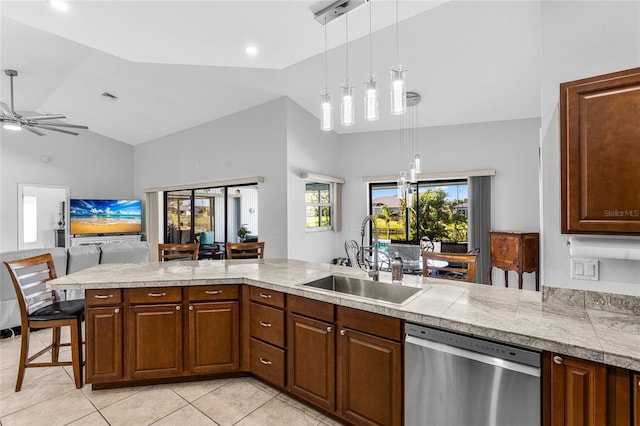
{"x":371,"y":110}
{"x":409,"y":199}
{"x":398,"y":90}
{"x":416,"y":161}
{"x":347,"y":117}
{"x":402,"y":184}
{"x":412,"y":173}
{"x":326,"y":113}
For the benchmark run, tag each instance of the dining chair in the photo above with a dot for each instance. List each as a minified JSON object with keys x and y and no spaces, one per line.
{"x":42,"y":308}
{"x":177,"y":251}
{"x":352,"y":249}
{"x":449,"y":266}
{"x":245,"y":250}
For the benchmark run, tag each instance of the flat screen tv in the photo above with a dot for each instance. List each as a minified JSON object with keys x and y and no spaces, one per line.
{"x":105,"y":216}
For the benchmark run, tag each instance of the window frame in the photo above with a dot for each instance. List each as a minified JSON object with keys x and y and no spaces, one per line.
{"x":320,"y":205}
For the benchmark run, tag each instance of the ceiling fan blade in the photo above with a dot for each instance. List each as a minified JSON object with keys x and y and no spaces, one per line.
{"x":46,"y":117}
{"x":73,"y":126}
{"x":36,"y":131}
{"x":42,"y":126}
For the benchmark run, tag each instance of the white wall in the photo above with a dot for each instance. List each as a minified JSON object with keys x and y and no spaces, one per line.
{"x":92,"y":165}
{"x":580,"y":39}
{"x":309,"y":149}
{"x":245,"y":144}
{"x":509,"y":147}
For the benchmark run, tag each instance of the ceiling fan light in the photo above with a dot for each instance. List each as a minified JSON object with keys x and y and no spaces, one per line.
{"x":15,"y":127}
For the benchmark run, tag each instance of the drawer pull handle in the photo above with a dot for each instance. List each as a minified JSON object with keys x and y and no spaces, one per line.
{"x":191,"y":307}
{"x":157,"y":294}
{"x":265,"y":296}
{"x":343,"y":332}
{"x":117,"y":310}
{"x":265,"y":361}
{"x":213,"y":291}
{"x":100,"y":296}
{"x":265,"y":324}
{"x":558,"y":360}
{"x":177,"y":307}
{"x":329,"y":329}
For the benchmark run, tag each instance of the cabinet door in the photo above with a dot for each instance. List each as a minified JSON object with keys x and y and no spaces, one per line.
{"x":635,"y":392}
{"x":155,"y":340}
{"x":103,"y":327}
{"x":214,"y":337}
{"x":578,"y":392}
{"x":311,"y":356}
{"x":369,"y":379}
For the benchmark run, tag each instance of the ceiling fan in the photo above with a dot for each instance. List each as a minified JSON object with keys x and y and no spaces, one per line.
{"x":11,"y":120}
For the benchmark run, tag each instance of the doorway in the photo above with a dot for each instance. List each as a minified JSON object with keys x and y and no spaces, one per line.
{"x":42,"y":210}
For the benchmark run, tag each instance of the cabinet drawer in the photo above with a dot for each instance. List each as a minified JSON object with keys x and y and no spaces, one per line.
{"x":368,"y":322}
{"x":103,"y":297}
{"x":155,"y":295}
{"x":267,"y":324}
{"x":212,"y":292}
{"x":310,"y":308}
{"x":267,"y":362}
{"x":268,"y":297}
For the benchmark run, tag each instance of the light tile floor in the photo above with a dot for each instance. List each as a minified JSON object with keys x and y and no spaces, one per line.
{"x":49,"y":397}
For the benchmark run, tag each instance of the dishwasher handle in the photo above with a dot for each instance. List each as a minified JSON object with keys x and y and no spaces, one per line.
{"x":464,"y":353}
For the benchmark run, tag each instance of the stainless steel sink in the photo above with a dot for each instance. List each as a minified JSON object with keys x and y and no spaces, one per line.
{"x":384,"y":292}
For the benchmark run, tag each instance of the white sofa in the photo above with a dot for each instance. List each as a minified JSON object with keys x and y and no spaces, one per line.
{"x":66,"y":261}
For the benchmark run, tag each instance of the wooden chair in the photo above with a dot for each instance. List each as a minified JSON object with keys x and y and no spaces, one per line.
{"x":449,"y":266}
{"x":245,"y":250}
{"x":42,"y":308}
{"x":177,"y":251}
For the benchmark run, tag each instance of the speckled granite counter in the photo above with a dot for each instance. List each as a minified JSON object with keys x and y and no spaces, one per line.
{"x":503,"y":314}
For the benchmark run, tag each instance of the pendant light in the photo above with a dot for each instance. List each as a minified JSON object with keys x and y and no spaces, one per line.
{"x":371,"y":110}
{"x":326,"y":112}
{"x":398,"y":78}
{"x":347,"y":117}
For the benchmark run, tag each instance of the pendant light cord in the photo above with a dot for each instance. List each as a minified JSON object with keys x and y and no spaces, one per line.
{"x":370,"y":44}
{"x":397,"y":35}
{"x":346,"y":45}
{"x":325,"y":55}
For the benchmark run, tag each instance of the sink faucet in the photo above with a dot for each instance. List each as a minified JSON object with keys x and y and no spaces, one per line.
{"x":374,"y":272}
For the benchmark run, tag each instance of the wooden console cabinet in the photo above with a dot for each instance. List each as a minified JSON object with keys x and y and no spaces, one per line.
{"x":515,"y":251}
{"x":599,"y":134}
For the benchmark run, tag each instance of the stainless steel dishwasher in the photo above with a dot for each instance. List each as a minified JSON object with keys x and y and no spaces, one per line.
{"x":457,"y":380}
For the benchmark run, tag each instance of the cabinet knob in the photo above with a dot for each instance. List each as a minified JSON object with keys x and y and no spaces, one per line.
{"x":265,"y":324}
{"x":343,"y":332}
{"x":191,"y":307}
{"x":558,"y":360}
{"x":117,"y":310}
{"x":265,"y":296}
{"x":177,"y":307}
{"x":157,"y":294}
{"x":213,"y":291}
{"x":329,"y":329}
{"x":265,"y":361}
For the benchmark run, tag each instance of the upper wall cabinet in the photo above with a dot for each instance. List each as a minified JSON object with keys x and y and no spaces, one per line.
{"x":600,"y":143}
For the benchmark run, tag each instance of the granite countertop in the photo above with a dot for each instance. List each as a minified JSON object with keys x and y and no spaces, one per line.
{"x":503,"y":314}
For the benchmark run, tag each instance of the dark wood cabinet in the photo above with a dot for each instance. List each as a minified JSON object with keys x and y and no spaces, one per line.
{"x":214,"y":337}
{"x":312,"y":360}
{"x":578,"y":392}
{"x":103,"y":328}
{"x":635,"y":398}
{"x":599,"y":134}
{"x":369,"y":368}
{"x":155,"y":340}
{"x":515,"y":251}
{"x":266,"y":339}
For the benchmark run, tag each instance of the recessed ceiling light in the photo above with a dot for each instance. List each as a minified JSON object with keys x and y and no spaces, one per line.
{"x":251,"y":50}
{"x":59,"y":5}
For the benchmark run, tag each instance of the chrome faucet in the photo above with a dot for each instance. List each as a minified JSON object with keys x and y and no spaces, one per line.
{"x":374,"y":272}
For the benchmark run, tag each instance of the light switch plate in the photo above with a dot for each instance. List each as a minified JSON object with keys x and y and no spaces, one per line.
{"x":585,"y":269}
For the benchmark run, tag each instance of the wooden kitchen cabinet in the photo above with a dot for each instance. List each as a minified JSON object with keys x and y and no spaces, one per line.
{"x":599,"y":133}
{"x":635,"y":398}
{"x":311,"y":351}
{"x":515,"y":251}
{"x":103,"y":328}
{"x":369,"y":368}
{"x":214,"y":338}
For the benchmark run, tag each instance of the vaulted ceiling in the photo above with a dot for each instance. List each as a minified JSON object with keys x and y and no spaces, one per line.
{"x":178,"y":64}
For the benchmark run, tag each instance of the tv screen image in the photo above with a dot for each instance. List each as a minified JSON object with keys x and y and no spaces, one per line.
{"x":105,"y":216}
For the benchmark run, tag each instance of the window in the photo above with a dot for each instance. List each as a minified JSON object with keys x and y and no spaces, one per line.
{"x":439,"y":212}
{"x":319,"y":206}
{"x":30,"y":214}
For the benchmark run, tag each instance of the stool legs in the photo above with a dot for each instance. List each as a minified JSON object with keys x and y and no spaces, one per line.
{"x":24,"y":354}
{"x":76,"y":352}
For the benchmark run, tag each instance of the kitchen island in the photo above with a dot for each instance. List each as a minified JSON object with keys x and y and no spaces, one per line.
{"x":501,"y":314}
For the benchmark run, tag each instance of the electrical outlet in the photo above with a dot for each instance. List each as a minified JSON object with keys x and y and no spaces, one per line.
{"x":585,"y":269}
